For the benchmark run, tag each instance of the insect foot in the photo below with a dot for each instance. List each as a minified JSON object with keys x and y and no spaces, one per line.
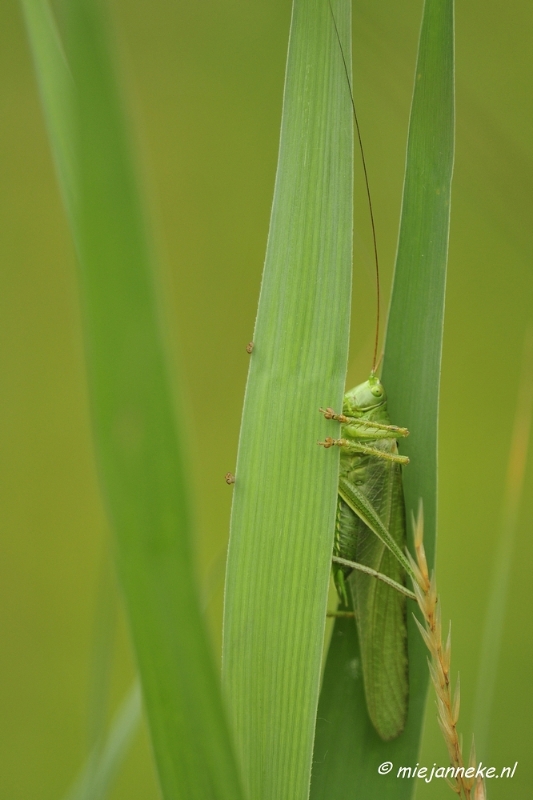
{"x":329,"y":442}
{"x":330,"y":414}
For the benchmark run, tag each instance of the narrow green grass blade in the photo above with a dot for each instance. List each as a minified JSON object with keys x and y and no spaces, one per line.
{"x":494,"y":623}
{"x":56,"y":88}
{"x":98,"y":774}
{"x":348,"y":752}
{"x":137,"y":432}
{"x":285,"y":491}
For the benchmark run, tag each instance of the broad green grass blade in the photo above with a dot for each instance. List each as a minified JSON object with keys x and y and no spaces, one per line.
{"x":285,"y":491}
{"x":138,"y":438}
{"x":348,"y":752}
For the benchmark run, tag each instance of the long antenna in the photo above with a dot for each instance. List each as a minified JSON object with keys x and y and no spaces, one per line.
{"x":367,"y":184}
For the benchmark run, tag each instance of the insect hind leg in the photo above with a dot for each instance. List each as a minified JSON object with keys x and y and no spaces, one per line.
{"x":357,"y":447}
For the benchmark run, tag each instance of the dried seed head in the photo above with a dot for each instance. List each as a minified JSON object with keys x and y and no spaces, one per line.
{"x":449,"y":744}
{"x":447,"y":652}
{"x":433,"y":588}
{"x":425,"y":589}
{"x":441,"y":680}
{"x":472,"y":760}
{"x":453,"y":786}
{"x":423,"y":633}
{"x":456,"y":701}
{"x":414,"y":566}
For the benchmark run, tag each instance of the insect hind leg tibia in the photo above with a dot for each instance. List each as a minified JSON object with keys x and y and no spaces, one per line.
{"x":375,"y":574}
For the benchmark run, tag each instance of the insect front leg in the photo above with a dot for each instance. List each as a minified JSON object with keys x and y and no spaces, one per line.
{"x":366,"y":428}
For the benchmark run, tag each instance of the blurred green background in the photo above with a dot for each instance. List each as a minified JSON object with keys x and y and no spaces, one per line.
{"x":204,"y":87}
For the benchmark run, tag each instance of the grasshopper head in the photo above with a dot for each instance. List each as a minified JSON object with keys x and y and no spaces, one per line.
{"x":366,"y":396}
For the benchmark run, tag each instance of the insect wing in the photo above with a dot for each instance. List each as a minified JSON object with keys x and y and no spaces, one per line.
{"x":380,"y":610}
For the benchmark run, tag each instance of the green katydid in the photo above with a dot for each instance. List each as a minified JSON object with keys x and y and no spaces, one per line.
{"x":368,"y":553}
{"x":370,"y":535}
